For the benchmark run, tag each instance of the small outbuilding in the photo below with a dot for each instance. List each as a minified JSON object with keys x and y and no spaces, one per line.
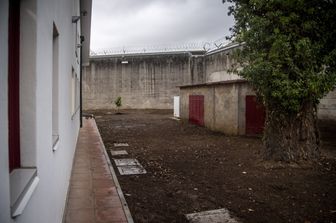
{"x":228,"y":106}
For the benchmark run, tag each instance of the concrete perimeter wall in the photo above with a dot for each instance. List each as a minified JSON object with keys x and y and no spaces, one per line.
{"x":217,"y":65}
{"x":327,"y":106}
{"x":152,"y":80}
{"x":142,"y":81}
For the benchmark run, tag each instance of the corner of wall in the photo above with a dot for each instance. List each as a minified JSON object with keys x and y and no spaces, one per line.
{"x":4,"y":170}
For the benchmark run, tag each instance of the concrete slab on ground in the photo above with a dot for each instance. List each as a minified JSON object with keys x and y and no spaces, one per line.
{"x":118,"y":152}
{"x":212,"y":216}
{"x":123,"y":144}
{"x":129,"y":126}
{"x":126,"y":162}
{"x":175,"y":118}
{"x":131,"y":170}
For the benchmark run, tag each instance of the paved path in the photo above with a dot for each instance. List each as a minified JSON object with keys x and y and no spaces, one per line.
{"x":94,"y":193}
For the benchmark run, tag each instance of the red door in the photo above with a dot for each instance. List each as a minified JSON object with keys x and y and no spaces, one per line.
{"x":196,"y":109}
{"x":255,"y":116}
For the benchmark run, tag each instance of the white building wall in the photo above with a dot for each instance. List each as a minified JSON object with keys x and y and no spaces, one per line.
{"x":53,"y":167}
{"x":4,"y":176}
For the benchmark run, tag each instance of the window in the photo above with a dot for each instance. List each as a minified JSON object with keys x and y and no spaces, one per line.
{"x":14,"y":85}
{"x":55,"y":86}
{"x":21,"y":129}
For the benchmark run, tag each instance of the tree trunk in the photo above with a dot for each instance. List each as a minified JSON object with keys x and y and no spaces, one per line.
{"x":292,"y":137}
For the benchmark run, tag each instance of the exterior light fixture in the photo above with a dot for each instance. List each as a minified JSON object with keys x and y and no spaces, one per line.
{"x":124,"y":62}
{"x":75,"y":19}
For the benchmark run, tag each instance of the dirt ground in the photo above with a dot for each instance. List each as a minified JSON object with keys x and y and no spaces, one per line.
{"x":192,"y":169}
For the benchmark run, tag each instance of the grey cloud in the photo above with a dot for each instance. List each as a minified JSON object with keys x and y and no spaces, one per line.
{"x":146,"y":22}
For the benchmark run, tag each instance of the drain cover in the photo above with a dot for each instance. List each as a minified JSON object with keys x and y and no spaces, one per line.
{"x":213,"y":216}
{"x":131,"y":170}
{"x":118,"y":152}
{"x":126,"y":162}
{"x":120,"y":144}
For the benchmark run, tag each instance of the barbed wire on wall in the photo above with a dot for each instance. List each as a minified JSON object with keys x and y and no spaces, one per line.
{"x":158,"y":48}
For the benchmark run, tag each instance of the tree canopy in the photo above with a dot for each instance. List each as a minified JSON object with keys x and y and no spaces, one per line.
{"x":289,"y":54}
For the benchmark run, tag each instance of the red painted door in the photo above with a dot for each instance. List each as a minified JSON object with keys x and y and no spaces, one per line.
{"x":196,"y":109}
{"x":14,"y":84}
{"x":255,"y":116}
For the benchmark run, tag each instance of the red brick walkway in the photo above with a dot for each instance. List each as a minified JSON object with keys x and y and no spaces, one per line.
{"x":93,"y":194}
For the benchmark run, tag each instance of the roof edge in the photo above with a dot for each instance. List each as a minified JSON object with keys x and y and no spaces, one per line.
{"x":214,"y":83}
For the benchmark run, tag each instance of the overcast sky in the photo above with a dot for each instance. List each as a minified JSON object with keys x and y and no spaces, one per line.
{"x":117,"y":23}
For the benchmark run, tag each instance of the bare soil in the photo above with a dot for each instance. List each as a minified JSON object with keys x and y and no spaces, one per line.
{"x":192,"y":169}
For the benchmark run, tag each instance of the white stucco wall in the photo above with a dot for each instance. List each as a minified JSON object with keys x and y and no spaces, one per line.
{"x":4,"y":176}
{"x":54,"y":167}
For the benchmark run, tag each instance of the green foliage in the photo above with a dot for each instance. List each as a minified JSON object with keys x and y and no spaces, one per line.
{"x":289,"y":54}
{"x":117,"y":102}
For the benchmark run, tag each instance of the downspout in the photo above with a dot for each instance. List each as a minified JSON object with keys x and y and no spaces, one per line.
{"x":80,"y":82}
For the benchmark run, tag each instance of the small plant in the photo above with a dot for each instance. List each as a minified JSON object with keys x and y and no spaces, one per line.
{"x":117,"y":102}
